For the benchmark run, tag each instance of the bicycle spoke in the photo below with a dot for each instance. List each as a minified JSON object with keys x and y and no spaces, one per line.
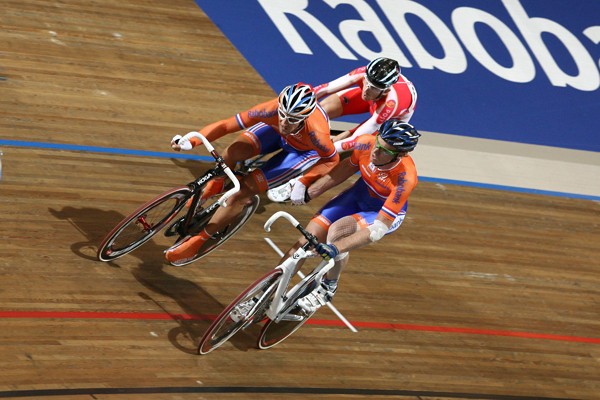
{"x":142,"y":225}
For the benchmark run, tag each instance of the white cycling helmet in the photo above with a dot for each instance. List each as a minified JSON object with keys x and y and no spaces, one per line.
{"x":297,"y":101}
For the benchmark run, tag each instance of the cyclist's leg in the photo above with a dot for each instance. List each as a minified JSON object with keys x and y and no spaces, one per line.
{"x":340,"y":217}
{"x":365,"y":215}
{"x":285,"y":165}
{"x":336,"y":208}
{"x":222,"y":217}
{"x":243,"y":148}
{"x":261,"y":138}
{"x":281,"y":170}
{"x":345,"y":102}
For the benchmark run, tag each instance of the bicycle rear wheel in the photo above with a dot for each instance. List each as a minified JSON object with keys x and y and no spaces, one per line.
{"x":141,"y":225}
{"x":276,"y":332}
{"x":221,"y":237}
{"x":231,"y":319}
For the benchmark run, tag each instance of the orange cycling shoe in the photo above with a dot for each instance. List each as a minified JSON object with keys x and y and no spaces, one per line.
{"x":184,"y":251}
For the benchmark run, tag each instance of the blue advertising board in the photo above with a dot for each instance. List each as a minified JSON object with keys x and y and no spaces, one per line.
{"x":517,"y":70}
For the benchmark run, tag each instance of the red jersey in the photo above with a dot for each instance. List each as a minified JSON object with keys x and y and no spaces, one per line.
{"x":399,"y":103}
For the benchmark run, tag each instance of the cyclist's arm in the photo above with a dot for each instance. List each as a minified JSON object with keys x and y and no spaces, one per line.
{"x":320,"y":169}
{"x":345,"y":141}
{"x":345,"y":134}
{"x":339,"y":174}
{"x":340,"y":83}
{"x":211,"y":132}
{"x":264,"y":112}
{"x":218,"y":129}
{"x":317,"y":132}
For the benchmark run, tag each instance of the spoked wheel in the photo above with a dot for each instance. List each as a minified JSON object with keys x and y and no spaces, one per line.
{"x":141,"y":225}
{"x":276,"y":332}
{"x":248,"y":308}
{"x":221,"y":237}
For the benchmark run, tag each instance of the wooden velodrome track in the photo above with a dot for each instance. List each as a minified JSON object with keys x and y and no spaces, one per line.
{"x":481,"y":294}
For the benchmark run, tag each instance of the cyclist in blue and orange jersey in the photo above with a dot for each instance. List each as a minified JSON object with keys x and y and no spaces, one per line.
{"x":295,"y":123}
{"x":378,"y":88}
{"x":374,"y":206}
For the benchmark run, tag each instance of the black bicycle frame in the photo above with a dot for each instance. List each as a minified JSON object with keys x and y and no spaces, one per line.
{"x":196,"y":187}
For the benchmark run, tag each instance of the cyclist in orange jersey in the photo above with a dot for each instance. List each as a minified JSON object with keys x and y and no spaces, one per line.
{"x":295,"y":123}
{"x":374,"y":206}
{"x":377,"y":88}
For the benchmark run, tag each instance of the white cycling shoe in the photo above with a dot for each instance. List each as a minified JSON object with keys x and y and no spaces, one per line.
{"x":241,"y":311}
{"x":281,"y":193}
{"x":317,"y":298}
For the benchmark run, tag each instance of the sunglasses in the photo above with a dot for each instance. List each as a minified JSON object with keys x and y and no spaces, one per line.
{"x":289,"y":118}
{"x":385,"y":150}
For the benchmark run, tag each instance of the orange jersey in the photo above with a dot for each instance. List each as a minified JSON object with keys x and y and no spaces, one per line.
{"x":314,"y":134}
{"x":393,"y":185}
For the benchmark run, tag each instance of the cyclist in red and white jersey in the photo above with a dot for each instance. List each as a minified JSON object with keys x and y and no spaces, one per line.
{"x":378,"y":88}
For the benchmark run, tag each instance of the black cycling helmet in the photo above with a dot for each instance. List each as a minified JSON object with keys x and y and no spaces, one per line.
{"x":401,"y":135}
{"x":383,"y":72}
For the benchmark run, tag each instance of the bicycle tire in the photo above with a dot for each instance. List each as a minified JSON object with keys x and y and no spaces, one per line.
{"x":224,"y":327}
{"x":219,"y":238}
{"x":141,"y":225}
{"x":274,"y":333}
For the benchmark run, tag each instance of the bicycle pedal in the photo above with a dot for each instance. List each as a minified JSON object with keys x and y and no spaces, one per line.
{"x":292,"y":317}
{"x":218,"y":235}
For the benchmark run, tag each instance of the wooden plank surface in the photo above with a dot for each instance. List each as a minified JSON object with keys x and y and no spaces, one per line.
{"x":480,"y":294}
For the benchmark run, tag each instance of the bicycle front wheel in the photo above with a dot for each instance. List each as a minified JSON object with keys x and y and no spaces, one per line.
{"x":141,"y":225}
{"x":276,"y":332}
{"x":248,"y":308}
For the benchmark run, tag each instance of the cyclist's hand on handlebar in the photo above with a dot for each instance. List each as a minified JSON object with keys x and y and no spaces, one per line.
{"x":179,"y":143}
{"x":175,"y":143}
{"x":327,"y":251}
{"x":299,"y":195}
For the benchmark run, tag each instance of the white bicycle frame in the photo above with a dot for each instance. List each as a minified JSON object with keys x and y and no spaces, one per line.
{"x":288,"y":267}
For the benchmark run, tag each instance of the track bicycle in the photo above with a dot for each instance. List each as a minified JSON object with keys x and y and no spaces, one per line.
{"x":270,"y":299}
{"x":149,"y":219}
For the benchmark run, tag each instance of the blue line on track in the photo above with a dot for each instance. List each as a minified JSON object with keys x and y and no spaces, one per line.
{"x":509,"y":188}
{"x":144,"y":153}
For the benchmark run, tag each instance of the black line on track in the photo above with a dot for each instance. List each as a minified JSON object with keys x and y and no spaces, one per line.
{"x":267,"y":390}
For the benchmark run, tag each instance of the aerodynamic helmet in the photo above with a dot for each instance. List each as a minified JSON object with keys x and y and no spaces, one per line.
{"x":297,"y":102}
{"x":401,"y":135}
{"x":383,"y":72}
